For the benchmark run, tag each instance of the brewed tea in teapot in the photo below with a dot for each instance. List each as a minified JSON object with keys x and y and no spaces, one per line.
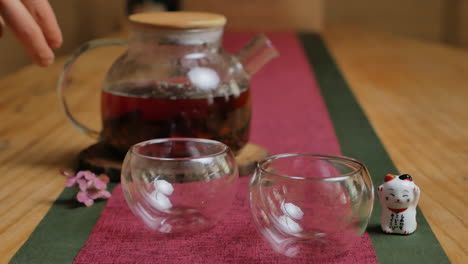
{"x":128,"y":119}
{"x":175,"y":80}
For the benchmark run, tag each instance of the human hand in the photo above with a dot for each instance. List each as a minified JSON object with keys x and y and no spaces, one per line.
{"x":34,"y":24}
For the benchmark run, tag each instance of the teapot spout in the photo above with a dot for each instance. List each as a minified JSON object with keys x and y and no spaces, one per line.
{"x":256,"y":54}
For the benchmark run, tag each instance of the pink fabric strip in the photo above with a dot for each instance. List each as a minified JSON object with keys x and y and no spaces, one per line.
{"x":289,"y":115}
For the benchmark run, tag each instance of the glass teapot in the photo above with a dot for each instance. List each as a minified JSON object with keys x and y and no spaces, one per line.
{"x":175,"y":80}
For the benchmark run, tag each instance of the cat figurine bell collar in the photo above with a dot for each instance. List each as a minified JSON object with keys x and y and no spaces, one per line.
{"x":399,"y":198}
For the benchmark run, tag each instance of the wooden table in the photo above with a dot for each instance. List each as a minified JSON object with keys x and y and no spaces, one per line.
{"x":414,"y":93}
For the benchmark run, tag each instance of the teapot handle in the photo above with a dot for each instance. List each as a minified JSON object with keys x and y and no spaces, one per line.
{"x":62,"y":82}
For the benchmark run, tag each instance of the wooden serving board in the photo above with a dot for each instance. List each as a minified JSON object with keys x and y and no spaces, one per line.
{"x":101,"y":158}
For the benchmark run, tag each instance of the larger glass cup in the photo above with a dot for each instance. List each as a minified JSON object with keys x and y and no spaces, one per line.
{"x":311,"y":204}
{"x":179,"y":184}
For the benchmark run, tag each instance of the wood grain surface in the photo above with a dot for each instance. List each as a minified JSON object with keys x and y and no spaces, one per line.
{"x":414,"y":93}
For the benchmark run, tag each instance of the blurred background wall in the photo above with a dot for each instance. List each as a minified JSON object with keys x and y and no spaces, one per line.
{"x":443,"y":21}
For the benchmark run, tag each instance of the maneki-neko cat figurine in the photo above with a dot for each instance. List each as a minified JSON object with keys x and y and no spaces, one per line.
{"x":399,"y":197}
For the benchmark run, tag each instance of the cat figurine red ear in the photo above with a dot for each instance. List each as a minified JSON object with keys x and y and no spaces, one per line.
{"x":389,"y":177}
{"x":399,"y":198}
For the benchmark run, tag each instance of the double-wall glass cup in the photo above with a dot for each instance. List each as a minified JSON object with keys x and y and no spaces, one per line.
{"x":179,"y":184}
{"x":315,"y":205}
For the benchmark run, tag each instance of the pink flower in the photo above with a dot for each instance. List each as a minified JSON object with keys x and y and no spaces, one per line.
{"x":70,"y":177}
{"x":100,"y":182}
{"x":84,"y":179}
{"x":83,"y":197}
{"x":90,"y":186}
{"x":70,"y":181}
{"x":96,"y":194}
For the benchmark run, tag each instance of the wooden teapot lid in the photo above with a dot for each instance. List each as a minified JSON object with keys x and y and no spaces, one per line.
{"x":179,"y":20}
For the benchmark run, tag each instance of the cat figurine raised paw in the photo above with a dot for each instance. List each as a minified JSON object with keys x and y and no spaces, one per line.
{"x":399,"y":197}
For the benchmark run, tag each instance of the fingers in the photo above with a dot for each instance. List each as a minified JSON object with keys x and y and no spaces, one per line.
{"x":45,"y":17}
{"x":27,"y":31}
{"x":2,"y":24}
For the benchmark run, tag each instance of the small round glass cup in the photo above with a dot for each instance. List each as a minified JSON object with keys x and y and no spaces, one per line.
{"x":179,"y":184}
{"x":311,"y":205}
